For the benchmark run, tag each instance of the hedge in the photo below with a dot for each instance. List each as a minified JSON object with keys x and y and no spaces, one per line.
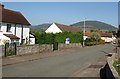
{"x":50,"y":38}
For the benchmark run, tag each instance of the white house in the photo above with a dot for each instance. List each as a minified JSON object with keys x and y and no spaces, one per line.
{"x":56,"y":28}
{"x":14,"y":27}
{"x":107,"y":37}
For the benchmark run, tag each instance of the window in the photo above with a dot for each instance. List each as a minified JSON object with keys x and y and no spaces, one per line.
{"x":8,"y":27}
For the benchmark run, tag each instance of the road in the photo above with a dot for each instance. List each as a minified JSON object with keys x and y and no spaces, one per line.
{"x":63,"y":65}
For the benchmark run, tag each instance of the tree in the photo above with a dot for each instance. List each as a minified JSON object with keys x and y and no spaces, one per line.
{"x":95,"y":36}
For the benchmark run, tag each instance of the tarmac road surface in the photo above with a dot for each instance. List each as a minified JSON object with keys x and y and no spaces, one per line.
{"x":63,"y":65}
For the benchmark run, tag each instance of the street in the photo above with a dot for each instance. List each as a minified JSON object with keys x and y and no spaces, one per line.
{"x":64,"y":65}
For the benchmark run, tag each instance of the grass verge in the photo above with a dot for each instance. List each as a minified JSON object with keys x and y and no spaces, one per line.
{"x":115,"y":66}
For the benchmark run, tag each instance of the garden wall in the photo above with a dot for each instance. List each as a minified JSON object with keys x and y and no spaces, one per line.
{"x":31,"y":49}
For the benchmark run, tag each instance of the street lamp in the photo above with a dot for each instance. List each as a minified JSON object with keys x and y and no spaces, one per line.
{"x":84,"y":33}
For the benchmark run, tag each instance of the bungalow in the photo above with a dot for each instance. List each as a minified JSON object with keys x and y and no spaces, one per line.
{"x":108,"y":37}
{"x":14,"y":27}
{"x":56,"y":28}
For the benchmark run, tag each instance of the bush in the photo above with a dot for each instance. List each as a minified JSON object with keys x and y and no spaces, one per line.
{"x":102,"y":41}
{"x":90,"y":42}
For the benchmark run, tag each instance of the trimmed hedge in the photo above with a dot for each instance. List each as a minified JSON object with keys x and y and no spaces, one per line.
{"x":50,"y":38}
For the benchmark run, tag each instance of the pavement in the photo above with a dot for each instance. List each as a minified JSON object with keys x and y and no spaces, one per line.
{"x":93,"y":70}
{"x":78,"y":62}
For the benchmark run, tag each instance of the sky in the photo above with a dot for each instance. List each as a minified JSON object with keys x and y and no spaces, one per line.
{"x":66,"y":12}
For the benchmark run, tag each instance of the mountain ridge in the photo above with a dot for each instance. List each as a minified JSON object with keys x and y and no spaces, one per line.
{"x":89,"y":25}
{"x":96,"y":25}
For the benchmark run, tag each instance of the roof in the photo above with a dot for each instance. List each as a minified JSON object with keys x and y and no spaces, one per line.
{"x":87,"y":33}
{"x":11,"y":36}
{"x":68,"y":28}
{"x":103,"y":34}
{"x":31,"y":36}
{"x":11,"y":16}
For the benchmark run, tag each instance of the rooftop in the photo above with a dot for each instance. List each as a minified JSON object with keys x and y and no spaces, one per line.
{"x":68,"y":28}
{"x":11,"y":36}
{"x":11,"y":16}
{"x":103,"y":34}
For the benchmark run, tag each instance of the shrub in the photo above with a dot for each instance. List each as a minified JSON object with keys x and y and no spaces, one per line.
{"x":102,"y":41}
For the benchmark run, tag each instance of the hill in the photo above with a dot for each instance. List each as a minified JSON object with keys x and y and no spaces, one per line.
{"x":89,"y":25}
{"x":95,"y":25}
{"x":41,"y":27}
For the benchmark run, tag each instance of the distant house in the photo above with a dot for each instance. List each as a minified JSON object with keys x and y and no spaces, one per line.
{"x":56,"y":28}
{"x":108,"y":37}
{"x":14,"y":27}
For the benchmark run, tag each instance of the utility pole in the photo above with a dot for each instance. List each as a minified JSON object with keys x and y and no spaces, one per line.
{"x":84,"y":33}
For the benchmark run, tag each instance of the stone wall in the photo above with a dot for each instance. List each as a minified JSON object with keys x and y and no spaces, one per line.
{"x":31,"y":49}
{"x":110,"y":61}
{"x":71,"y":45}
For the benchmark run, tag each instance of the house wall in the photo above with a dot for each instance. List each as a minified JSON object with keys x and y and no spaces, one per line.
{"x":53,"y":29}
{"x":32,"y":40}
{"x":3,"y":38}
{"x":12,"y":29}
{"x":18,"y":32}
{"x":107,"y":39}
{"x":3,"y":27}
{"x":26,"y":30}
{"x":85,"y":37}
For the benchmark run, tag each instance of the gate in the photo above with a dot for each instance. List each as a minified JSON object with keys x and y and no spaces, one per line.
{"x":10,"y":49}
{"x":55,"y":46}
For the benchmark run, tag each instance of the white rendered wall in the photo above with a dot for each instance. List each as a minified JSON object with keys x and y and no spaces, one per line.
{"x":3,"y":27}
{"x":32,"y":40}
{"x":18,"y":33}
{"x":107,"y":39}
{"x":12,"y":28}
{"x":3,"y":38}
{"x":53,"y":29}
{"x":85,"y":37}
{"x":26,"y":31}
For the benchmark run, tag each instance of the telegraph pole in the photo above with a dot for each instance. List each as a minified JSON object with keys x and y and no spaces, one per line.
{"x":84,"y":33}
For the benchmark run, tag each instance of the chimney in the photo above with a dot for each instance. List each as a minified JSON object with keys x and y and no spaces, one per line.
{"x":1,"y":6}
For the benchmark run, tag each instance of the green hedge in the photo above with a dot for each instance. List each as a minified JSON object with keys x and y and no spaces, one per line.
{"x":49,"y":38}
